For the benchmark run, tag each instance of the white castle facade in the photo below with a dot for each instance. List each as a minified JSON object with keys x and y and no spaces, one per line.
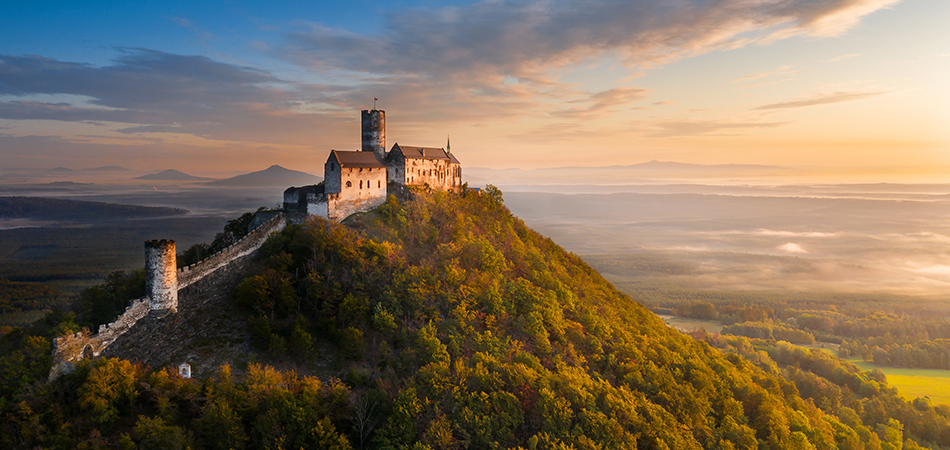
{"x":361,"y":180}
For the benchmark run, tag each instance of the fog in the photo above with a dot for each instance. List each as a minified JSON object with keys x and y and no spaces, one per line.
{"x":852,"y":238}
{"x":737,"y":231}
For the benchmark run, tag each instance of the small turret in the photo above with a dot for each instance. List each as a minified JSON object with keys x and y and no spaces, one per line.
{"x":374,"y":132}
{"x":161,"y":275}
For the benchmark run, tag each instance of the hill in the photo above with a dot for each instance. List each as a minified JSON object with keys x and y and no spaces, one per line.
{"x":445,"y":322}
{"x":272,"y":176}
{"x":171,"y":175}
{"x":38,"y":208}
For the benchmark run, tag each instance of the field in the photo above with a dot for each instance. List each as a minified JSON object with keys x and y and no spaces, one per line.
{"x":686,"y":325}
{"x":914,"y":383}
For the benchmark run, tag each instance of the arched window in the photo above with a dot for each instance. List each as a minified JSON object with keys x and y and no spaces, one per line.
{"x":348,"y":184}
{"x":379,"y":184}
{"x":361,"y":184}
{"x":332,"y":166}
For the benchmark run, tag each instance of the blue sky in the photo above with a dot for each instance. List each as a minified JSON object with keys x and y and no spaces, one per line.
{"x":241,"y":85}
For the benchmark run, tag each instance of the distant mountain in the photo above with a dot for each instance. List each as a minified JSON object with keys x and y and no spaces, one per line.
{"x":272,"y":176}
{"x":170,"y":175}
{"x":61,"y":169}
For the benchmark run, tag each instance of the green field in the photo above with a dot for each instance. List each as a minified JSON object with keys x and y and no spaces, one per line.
{"x":914,"y":383}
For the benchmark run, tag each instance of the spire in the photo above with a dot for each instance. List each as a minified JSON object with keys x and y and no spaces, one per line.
{"x":448,"y":144}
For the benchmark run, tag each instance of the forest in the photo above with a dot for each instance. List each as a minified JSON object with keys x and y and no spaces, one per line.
{"x":887,"y":330}
{"x":458,"y":326}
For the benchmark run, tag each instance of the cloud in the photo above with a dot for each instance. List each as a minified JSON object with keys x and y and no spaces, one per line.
{"x":436,"y":62}
{"x":680,"y":128}
{"x":822,"y":99}
{"x":756,"y":76}
{"x":810,"y":234}
{"x":154,"y":89}
{"x":524,"y":39}
{"x":203,"y":35}
{"x":792,"y":248}
{"x":605,"y":101}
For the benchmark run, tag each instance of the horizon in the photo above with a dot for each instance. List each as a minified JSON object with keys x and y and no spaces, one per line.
{"x":841,"y":87}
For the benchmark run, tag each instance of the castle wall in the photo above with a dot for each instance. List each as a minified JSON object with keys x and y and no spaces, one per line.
{"x":331,"y":176}
{"x":247,"y":245}
{"x":70,"y":349}
{"x":340,"y":208}
{"x":317,"y":205}
{"x":292,"y":198}
{"x":73,"y":348}
{"x":437,"y":173}
{"x":362,"y":188}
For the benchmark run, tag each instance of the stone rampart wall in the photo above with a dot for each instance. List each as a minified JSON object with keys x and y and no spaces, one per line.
{"x":70,"y":349}
{"x":247,"y":245}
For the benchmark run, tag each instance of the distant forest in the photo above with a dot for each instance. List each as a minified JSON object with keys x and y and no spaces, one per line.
{"x":38,"y":208}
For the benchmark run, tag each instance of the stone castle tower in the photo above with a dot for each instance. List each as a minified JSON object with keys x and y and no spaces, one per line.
{"x":161,"y":275}
{"x":374,"y":132}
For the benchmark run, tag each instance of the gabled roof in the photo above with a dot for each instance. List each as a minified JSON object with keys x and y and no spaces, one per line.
{"x":453,"y":159}
{"x":421,"y":152}
{"x":355,"y":158}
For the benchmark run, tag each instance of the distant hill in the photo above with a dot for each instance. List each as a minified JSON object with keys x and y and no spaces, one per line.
{"x":170,"y":175}
{"x":272,"y":176}
{"x":39,"y":208}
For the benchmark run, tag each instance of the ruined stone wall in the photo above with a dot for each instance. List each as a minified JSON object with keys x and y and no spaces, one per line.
{"x":70,"y":349}
{"x":247,"y":245}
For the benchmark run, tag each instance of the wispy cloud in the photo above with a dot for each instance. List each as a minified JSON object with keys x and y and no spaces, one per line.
{"x":823,"y":99}
{"x":436,"y":54}
{"x":839,"y":58}
{"x":604,"y":102}
{"x":203,"y":35}
{"x":682,"y":128}
{"x":756,"y":76}
{"x":792,"y":247}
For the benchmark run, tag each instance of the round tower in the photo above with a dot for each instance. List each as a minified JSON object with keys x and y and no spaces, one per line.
{"x":374,"y":132}
{"x":161,"y":275}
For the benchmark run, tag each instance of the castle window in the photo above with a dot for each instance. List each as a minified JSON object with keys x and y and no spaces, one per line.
{"x":361,"y":184}
{"x":332,"y":166}
{"x":379,"y":184}
{"x":348,"y":184}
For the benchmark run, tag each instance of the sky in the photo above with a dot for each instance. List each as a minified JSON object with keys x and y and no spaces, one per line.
{"x":204,"y":86}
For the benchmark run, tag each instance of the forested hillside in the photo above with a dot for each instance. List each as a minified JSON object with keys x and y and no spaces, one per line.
{"x":459,"y":327}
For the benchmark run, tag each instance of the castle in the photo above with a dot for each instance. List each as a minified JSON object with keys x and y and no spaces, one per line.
{"x":354,"y":181}
{"x":360,"y":180}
